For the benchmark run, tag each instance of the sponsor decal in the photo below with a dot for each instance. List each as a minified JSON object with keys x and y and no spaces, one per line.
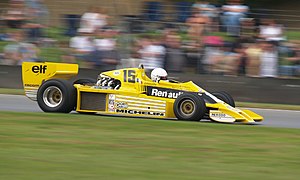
{"x":163,"y":92}
{"x":39,"y":69}
{"x":121,"y":105}
{"x":112,"y":102}
{"x":117,"y":73}
{"x":138,"y":80}
{"x":111,"y":105}
{"x":219,"y":116}
{"x":111,"y":108}
{"x":127,"y":111}
{"x":112,"y":97}
{"x":32,"y":85}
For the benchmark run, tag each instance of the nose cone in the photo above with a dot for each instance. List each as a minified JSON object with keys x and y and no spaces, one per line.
{"x":228,"y":114}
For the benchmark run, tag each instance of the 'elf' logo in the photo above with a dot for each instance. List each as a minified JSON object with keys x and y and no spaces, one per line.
{"x":39,"y":69}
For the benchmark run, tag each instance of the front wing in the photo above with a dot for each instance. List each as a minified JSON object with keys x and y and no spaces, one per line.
{"x":226,"y":114}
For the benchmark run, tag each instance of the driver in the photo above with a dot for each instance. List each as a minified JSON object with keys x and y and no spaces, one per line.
{"x":158,"y":74}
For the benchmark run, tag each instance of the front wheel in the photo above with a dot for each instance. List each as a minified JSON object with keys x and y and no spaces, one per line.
{"x":189,"y":107}
{"x":57,"y":95}
{"x":227,"y":98}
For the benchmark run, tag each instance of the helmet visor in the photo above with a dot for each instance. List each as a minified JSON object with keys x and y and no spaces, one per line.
{"x":163,"y":78}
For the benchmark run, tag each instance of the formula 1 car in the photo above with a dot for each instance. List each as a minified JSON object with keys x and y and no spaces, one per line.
{"x":127,"y":92}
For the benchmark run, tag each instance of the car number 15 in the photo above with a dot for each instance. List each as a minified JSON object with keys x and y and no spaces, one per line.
{"x":129,"y":76}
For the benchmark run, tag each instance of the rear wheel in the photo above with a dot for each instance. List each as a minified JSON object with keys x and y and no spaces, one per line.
{"x":57,"y":95}
{"x":189,"y":107}
{"x":227,"y":98}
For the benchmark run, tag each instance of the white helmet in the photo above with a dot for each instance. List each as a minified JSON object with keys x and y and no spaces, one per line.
{"x":158,"y":74}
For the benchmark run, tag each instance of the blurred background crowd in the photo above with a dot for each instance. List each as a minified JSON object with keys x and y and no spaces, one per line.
{"x":227,"y":37}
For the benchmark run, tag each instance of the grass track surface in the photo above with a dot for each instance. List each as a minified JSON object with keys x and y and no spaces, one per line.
{"x":12,"y":91}
{"x":74,"y":146}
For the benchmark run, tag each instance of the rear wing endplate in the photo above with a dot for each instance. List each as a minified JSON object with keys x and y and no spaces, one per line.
{"x":34,"y":74}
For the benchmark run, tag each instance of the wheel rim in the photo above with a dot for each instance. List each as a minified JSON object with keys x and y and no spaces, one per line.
{"x":187,"y":107}
{"x":52,"y":96}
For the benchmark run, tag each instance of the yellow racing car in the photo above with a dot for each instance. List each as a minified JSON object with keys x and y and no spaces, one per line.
{"x":127,"y":92}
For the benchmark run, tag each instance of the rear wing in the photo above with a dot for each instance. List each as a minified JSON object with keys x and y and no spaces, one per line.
{"x":34,"y":74}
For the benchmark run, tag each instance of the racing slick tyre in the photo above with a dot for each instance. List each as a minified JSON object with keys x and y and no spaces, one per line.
{"x":189,"y":107}
{"x":84,"y":81}
{"x":57,"y":95}
{"x":227,"y":98}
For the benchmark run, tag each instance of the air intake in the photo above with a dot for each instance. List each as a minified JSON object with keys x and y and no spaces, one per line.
{"x":92,"y":101}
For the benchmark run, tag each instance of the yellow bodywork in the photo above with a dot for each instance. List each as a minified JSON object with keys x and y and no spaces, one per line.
{"x":132,"y":98}
{"x":34,"y":74}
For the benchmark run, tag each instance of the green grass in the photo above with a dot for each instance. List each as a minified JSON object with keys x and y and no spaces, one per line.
{"x":73,"y":146}
{"x":268,"y":106}
{"x":12,"y":91}
{"x":3,"y":44}
{"x":293,"y":35}
{"x":52,"y":54}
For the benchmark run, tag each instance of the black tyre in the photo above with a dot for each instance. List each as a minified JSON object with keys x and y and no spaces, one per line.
{"x":57,"y":95}
{"x":189,"y":107}
{"x":85,"y":81}
{"x":225,"y":97}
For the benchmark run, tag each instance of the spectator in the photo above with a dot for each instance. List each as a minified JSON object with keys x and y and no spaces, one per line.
{"x":242,"y":59}
{"x":93,"y":19}
{"x":269,"y":60}
{"x":227,"y":62}
{"x":233,"y":12}
{"x":253,"y":66}
{"x":11,"y":54}
{"x":248,"y":32}
{"x":20,"y":51}
{"x":152,"y":53}
{"x":37,"y":19}
{"x":16,"y":14}
{"x":106,"y":55}
{"x":208,"y":10}
{"x":294,"y":59}
{"x":270,"y":31}
{"x":193,"y":50}
{"x":175,"y":59}
{"x":82,"y":45}
{"x":212,"y":55}
{"x":219,"y":57}
{"x":196,"y":25}
{"x":134,"y":57}
{"x":29,"y":52}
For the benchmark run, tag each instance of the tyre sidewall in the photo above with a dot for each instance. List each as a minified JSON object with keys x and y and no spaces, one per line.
{"x":198,"y":102}
{"x":230,"y":98}
{"x":68,"y":92}
{"x":224,"y":97}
